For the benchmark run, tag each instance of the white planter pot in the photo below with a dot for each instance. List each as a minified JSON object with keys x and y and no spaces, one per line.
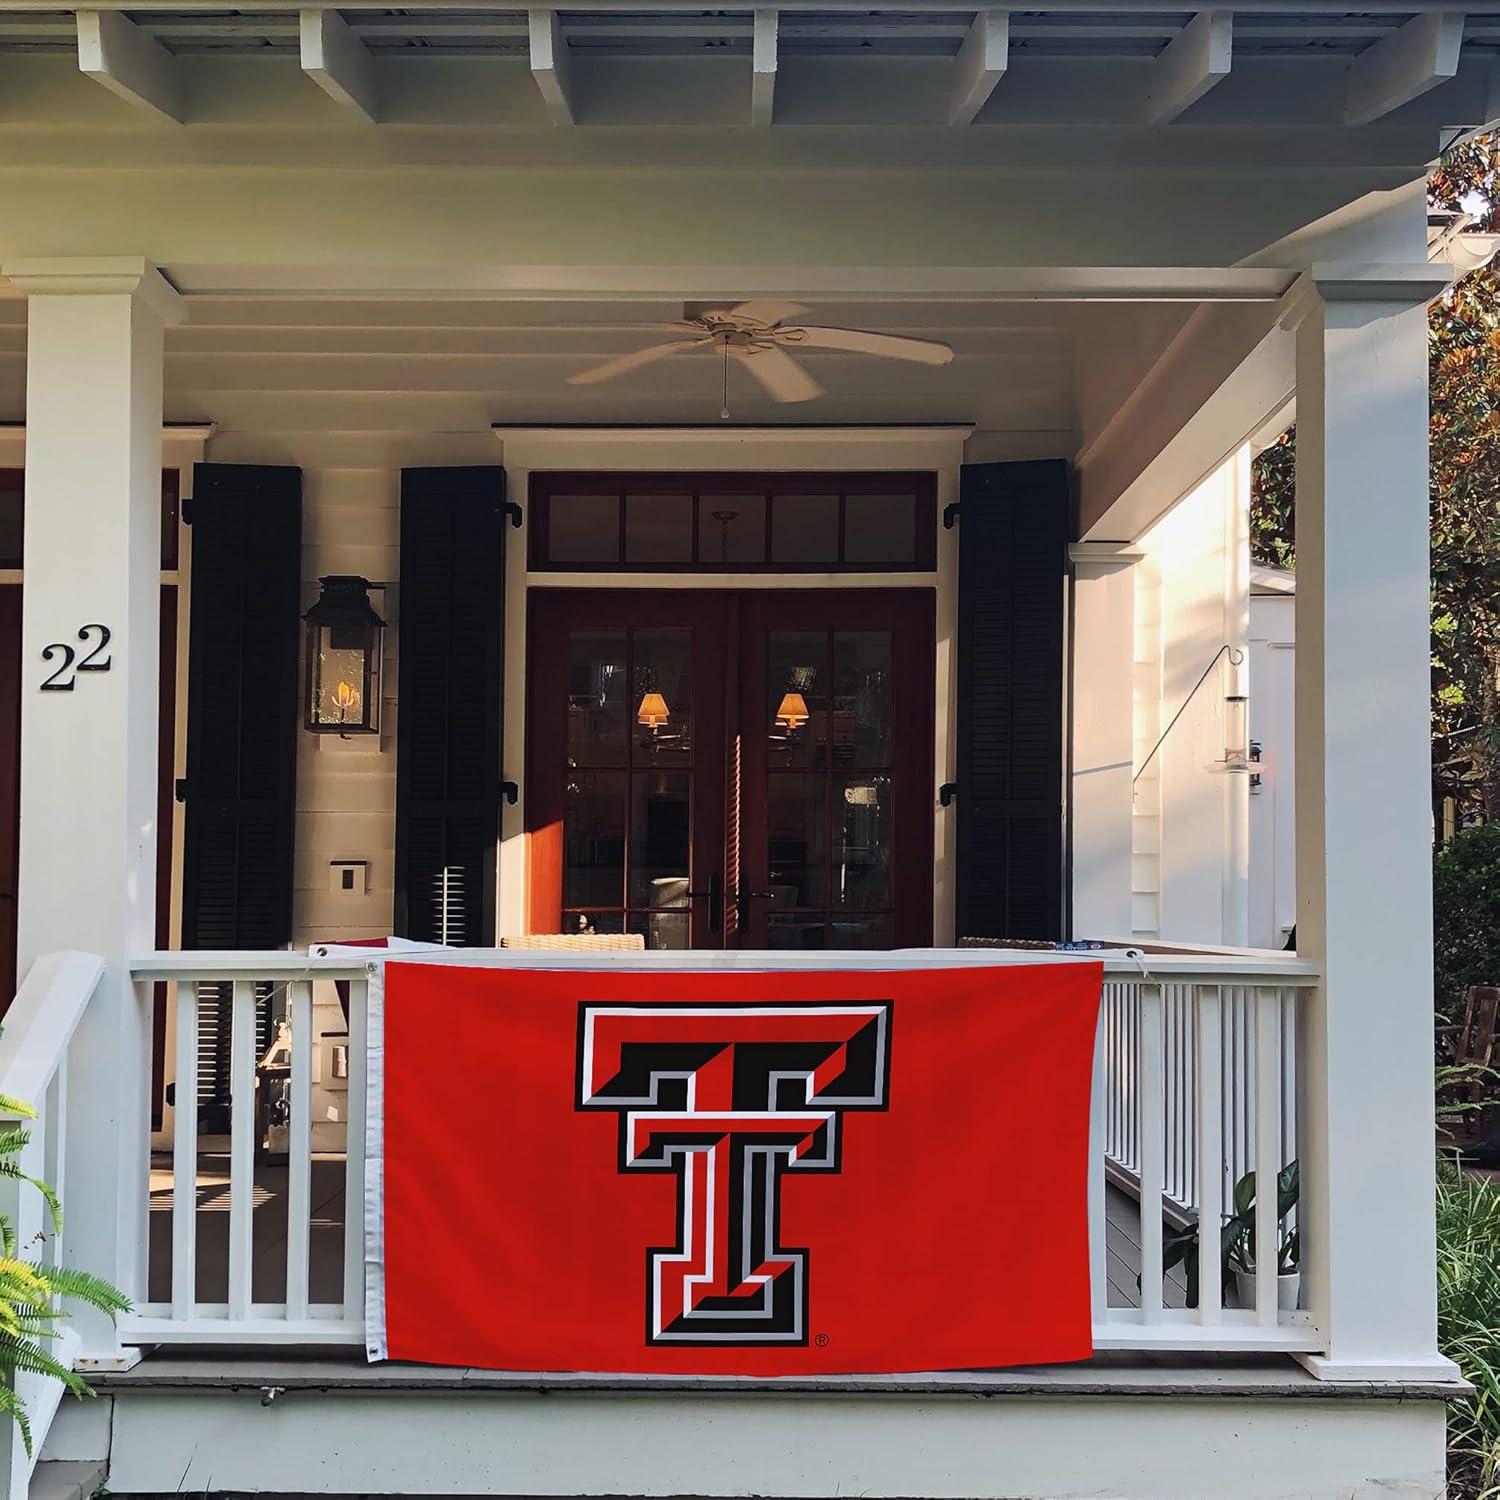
{"x":1288,"y":1289}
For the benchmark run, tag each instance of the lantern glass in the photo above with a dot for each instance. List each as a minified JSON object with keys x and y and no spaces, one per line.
{"x":344,"y":649}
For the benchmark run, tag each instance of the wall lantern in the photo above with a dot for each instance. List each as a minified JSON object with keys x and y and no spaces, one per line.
{"x":791,"y":713}
{"x":345,"y":638}
{"x":653,"y":712}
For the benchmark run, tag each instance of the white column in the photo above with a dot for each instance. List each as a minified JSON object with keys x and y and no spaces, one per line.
{"x":1100,"y":798}
{"x":88,"y":747}
{"x":1364,"y":895}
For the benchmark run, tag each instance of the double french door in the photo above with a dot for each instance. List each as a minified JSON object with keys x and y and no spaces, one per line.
{"x":717,"y":768}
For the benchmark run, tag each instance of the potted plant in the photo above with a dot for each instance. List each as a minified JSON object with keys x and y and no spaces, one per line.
{"x":1237,"y":1245}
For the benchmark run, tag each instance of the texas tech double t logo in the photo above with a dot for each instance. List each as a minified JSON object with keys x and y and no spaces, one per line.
{"x":731,"y":1097}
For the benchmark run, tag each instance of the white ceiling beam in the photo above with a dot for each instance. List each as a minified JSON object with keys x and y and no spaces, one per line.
{"x":338,"y":62}
{"x":763,"y":68}
{"x":114,"y":51}
{"x":981,"y":64}
{"x":1197,"y":59}
{"x":1412,"y":59}
{"x":550,"y":65}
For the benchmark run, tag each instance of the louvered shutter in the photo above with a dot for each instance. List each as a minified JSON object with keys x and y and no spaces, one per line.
{"x":1012,"y":552}
{"x":244,"y":627}
{"x":450,"y":636}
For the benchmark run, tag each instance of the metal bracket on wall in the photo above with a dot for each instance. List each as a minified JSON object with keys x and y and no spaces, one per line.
{"x":514,"y":512}
{"x":950,"y":515}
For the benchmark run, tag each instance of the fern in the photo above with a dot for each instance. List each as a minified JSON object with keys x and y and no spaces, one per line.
{"x":31,"y":1291}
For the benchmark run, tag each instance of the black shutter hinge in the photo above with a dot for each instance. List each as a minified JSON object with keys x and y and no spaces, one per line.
{"x":950,"y":515}
{"x":946,"y":793}
{"x":514,"y":512}
{"x":510,"y":791}
{"x":185,"y":510}
{"x":179,"y":789}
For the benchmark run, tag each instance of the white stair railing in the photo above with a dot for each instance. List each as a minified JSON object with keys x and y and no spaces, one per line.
{"x":34,"y":1042}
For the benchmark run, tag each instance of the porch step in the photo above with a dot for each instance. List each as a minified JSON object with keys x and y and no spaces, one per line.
{"x":66,"y":1479}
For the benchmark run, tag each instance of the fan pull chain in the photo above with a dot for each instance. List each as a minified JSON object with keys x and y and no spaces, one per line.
{"x":724,"y":410}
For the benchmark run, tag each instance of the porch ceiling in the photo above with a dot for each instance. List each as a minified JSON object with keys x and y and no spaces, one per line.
{"x":268,"y":364}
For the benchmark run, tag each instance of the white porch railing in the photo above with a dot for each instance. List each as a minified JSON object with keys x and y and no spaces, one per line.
{"x":1195,"y":1083}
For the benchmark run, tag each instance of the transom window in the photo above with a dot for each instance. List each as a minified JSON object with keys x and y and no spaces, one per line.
{"x":784,"y":523}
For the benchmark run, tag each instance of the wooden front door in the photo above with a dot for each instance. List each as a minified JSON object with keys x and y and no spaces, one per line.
{"x":711,"y":768}
{"x":10,"y":782}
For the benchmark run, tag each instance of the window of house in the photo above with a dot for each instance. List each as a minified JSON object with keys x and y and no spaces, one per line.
{"x":784,"y":523}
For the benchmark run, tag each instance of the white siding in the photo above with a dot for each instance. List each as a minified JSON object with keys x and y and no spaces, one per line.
{"x":1190,"y":841}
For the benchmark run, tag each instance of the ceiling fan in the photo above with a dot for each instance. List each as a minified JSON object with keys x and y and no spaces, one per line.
{"x":758,"y":335}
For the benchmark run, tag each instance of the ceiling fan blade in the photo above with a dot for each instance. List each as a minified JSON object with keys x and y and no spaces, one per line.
{"x":885,"y":345}
{"x":627,"y":362}
{"x":767,"y":312}
{"x":780,"y":374}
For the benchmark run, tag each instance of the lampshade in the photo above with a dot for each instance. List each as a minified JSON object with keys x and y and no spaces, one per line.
{"x":653,"y":711}
{"x":792,"y":711}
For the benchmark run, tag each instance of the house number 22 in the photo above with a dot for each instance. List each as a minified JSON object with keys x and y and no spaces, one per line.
{"x":65,"y":674}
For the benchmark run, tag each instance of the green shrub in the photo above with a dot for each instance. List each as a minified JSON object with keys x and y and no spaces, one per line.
{"x":1466,"y":912}
{"x":32,"y":1291}
{"x":1468,"y":1224}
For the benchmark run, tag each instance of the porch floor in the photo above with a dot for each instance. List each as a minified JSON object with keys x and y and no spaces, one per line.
{"x":326,"y":1234}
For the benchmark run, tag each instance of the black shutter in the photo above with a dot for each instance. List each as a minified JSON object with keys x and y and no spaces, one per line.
{"x":451,"y":632}
{"x":245,"y":602}
{"x":1012,"y":561}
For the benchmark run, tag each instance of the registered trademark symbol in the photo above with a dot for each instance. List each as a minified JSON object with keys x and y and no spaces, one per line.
{"x":821,"y":1340}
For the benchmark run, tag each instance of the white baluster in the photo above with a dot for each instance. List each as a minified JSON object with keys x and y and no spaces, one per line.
{"x":299,"y":1150}
{"x":185,"y":1155}
{"x":1152,"y":1103}
{"x":354,"y":1166}
{"x":1267,"y":1149}
{"x":1210,"y":1161}
{"x":242,"y":1126}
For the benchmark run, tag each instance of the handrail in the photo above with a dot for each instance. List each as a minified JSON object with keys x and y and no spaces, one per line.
{"x":1246,"y":967}
{"x":42,"y":1019}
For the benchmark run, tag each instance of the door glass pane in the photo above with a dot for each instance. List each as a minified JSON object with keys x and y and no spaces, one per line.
{"x":862,"y":841}
{"x":796,"y":822}
{"x":662,"y":697}
{"x":796,"y":930}
{"x":596,"y":698}
{"x":796,"y":697}
{"x":860,"y":932}
{"x":661,"y":929}
{"x":731,"y":529}
{"x":862,"y":707}
{"x":594,"y":839}
{"x":583,"y":529}
{"x":658,"y":528}
{"x":593,"y":921}
{"x":11,"y":518}
{"x":805,"y":529}
{"x":880,"y":529}
{"x":659,"y":823}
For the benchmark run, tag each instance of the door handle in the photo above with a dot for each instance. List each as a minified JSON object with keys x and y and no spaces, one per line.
{"x":743,"y":898}
{"x":714,"y":895}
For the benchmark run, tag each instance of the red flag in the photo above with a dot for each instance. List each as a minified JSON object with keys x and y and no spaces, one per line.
{"x":737,"y":1173}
